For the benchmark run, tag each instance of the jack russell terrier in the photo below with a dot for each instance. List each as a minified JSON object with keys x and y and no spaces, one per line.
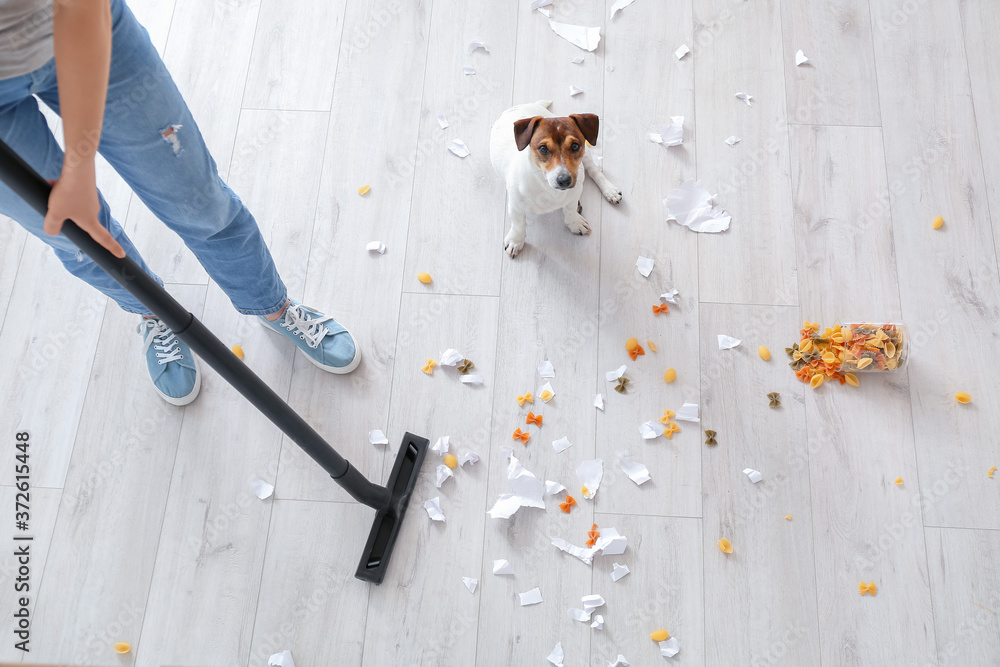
{"x":549,"y":175}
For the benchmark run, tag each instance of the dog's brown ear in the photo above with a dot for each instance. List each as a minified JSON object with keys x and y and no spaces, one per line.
{"x":523,"y":129}
{"x":588,"y":124}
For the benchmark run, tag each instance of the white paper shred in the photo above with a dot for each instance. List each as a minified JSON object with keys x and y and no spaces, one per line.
{"x":754,"y":475}
{"x":611,"y":543}
{"x":746,"y":98}
{"x":377,"y":437}
{"x":670,"y":135}
{"x":620,"y":661}
{"x":574,"y":91}
{"x":669,"y":648}
{"x":586,"y":555}
{"x":534,"y":596}
{"x":260,"y":488}
{"x":732,"y":141}
{"x":547,"y":387}
{"x":800,"y":58}
{"x":619,"y":571}
{"x":528,"y":492}
{"x":468,"y":70}
{"x":645,"y":265}
{"x":691,"y":205}
{"x":441,"y":445}
{"x":459,"y":148}
{"x":442,"y":474}
{"x":557,"y":657}
{"x":537,"y":4}
{"x":620,"y":5}
{"x":552,"y":488}
{"x":470,"y":583}
{"x":442,"y":121}
{"x":670,"y":296}
{"x":433,"y":507}
{"x":472,"y":379}
{"x":576,"y":60}
{"x":637,"y":472}
{"x":476,"y":44}
{"x":376,"y":246}
{"x":546,"y":370}
{"x":592,"y":602}
{"x":579,"y":615}
{"x":547,"y":13}
{"x":651,"y":430}
{"x":688,"y":413}
{"x":590,"y":473}
{"x":728,"y":342}
{"x":468,"y":457}
{"x":612,"y":376}
{"x":283,"y":659}
{"x":561,"y":445}
{"x":598,"y":623}
{"x":681,"y":51}
{"x":599,"y":401}
{"x":501,"y":566}
{"x":451,"y":357}
{"x":577,"y":35}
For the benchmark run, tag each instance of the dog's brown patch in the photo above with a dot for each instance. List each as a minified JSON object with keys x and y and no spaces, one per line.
{"x":557,"y":141}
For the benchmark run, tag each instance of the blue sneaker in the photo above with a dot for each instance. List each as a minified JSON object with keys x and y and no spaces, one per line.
{"x":172,"y":366}
{"x":326,"y":343}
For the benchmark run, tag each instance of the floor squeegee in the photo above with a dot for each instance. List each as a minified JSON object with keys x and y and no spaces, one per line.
{"x":389,"y":501}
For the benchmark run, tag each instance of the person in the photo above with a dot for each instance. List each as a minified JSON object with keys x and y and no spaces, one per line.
{"x":93,"y":64}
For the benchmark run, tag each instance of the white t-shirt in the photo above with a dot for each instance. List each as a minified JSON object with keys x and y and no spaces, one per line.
{"x":25,"y":36}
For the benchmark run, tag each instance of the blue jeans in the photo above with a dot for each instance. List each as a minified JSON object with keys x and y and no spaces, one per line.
{"x":151,"y":139}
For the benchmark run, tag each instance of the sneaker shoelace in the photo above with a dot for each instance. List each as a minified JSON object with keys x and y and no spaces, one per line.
{"x":166,"y":342}
{"x":297,"y":321}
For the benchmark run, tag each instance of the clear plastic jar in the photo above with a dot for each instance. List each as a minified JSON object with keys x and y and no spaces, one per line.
{"x":874,"y":346}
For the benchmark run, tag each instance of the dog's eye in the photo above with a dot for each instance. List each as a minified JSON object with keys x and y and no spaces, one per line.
{"x":575,"y":147}
{"x":544,"y":150}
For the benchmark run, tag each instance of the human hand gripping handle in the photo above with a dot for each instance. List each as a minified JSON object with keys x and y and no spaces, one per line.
{"x":74,"y":197}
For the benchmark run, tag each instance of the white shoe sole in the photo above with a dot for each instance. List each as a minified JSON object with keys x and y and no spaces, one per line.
{"x":184,"y":400}
{"x":341,"y":370}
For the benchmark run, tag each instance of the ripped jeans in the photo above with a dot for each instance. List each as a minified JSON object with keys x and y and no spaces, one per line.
{"x":151,"y":139}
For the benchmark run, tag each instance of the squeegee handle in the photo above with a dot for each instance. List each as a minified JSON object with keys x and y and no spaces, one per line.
{"x":35,"y":190}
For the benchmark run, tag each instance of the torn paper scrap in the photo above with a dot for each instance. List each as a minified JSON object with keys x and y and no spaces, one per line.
{"x":637,"y":472}
{"x":669,"y":648}
{"x":610,"y":543}
{"x":459,"y":148}
{"x":598,"y":623}
{"x":442,"y":121}
{"x":681,"y":51}
{"x":732,"y":141}
{"x":590,"y":473}
{"x":468,"y":457}
{"x":433,"y":507}
{"x":556,"y":657}
{"x":620,"y":661}
{"x":620,"y":5}
{"x":534,"y":596}
{"x":283,"y":659}
{"x":441,"y":445}
{"x":576,"y":60}
{"x":670,"y":296}
{"x":561,"y":445}
{"x":586,"y":555}
{"x":260,"y":488}
{"x":645,"y":265}
{"x":611,"y":376}
{"x":377,"y":437}
{"x":577,"y":35}
{"x":546,"y":392}
{"x":538,"y":4}
{"x":552,"y":488}
{"x":476,"y":44}
{"x":442,"y":474}
{"x":547,"y":13}
{"x":599,"y":401}
{"x":469,"y":71}
{"x":691,"y":205}
{"x":376,"y":246}
{"x":472,"y":379}
{"x":619,"y":571}
{"x":754,"y":475}
{"x":688,"y":413}
{"x":746,"y":98}
{"x":579,"y":615}
{"x":528,"y":491}
{"x":574,"y":91}
{"x":451,"y":357}
{"x":501,"y":566}
{"x":728,"y":342}
{"x":546,"y":370}
{"x":592,"y":601}
{"x":651,"y":430}
{"x":670,"y":135}
{"x":470,"y":583}
{"x":800,"y":58}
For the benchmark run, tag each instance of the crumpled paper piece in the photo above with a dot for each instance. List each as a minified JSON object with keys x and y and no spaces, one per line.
{"x":691,"y":206}
{"x":260,"y":488}
{"x":377,"y":437}
{"x":528,"y":492}
{"x":590,"y":473}
{"x":728,"y":342}
{"x":283,"y":659}
{"x":556,"y":657}
{"x":433,"y":507}
{"x":637,"y":472}
{"x":581,"y":36}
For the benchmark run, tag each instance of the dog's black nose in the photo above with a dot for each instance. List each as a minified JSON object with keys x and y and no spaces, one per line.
{"x":564,"y":180}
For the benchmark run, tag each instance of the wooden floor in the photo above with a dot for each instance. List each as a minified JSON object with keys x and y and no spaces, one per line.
{"x":145,"y":529}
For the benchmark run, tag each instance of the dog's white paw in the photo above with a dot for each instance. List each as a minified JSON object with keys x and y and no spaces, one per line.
{"x":512,"y":245}
{"x":577,"y":224}
{"x":611,"y":193}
